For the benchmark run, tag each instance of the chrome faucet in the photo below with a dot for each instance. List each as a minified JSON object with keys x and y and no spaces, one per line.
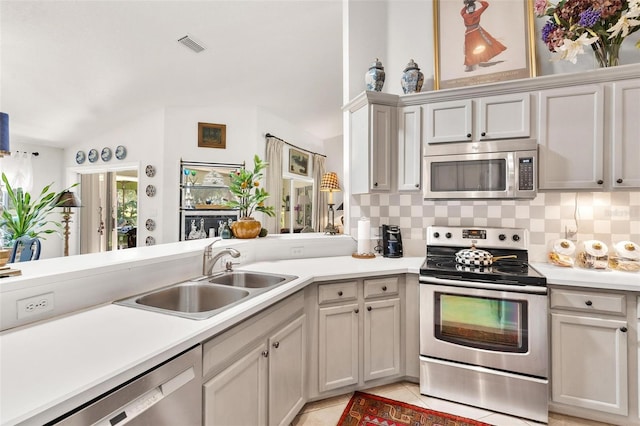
{"x":209,"y":259}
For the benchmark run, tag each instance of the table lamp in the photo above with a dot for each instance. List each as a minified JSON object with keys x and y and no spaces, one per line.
{"x":329,"y":183}
{"x":67,"y":200}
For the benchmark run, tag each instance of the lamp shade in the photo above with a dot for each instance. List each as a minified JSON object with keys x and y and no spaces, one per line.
{"x":67,"y":199}
{"x":5,"y":148}
{"x":329,"y":182}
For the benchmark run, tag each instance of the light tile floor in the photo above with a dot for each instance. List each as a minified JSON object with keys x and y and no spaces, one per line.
{"x":327,"y":412}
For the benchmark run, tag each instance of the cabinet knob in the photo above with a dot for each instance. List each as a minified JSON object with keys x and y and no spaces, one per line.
{"x":265,"y":354}
{"x":384,"y":288}
{"x":619,"y":180}
{"x":468,"y":135}
{"x":369,"y":308}
{"x":417,"y":185}
{"x":588,"y":303}
{"x":276,"y":345}
{"x":356,"y":310}
{"x":483,"y":134}
{"x":600,"y":182}
{"x":623,"y":329}
{"x":340,"y":293}
{"x":375,"y":184}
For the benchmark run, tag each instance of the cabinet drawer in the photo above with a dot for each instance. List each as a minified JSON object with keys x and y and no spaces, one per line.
{"x":337,"y":292}
{"x":380,"y":287}
{"x":588,"y":301}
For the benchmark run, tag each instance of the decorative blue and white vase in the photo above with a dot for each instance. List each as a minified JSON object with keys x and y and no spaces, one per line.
{"x":374,"y":78}
{"x":412,"y":78}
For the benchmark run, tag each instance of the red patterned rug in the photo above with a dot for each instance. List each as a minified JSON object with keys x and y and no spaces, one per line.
{"x":371,"y":410}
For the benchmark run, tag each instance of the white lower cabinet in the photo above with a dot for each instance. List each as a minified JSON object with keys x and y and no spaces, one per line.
{"x":359,"y":333}
{"x":589,"y":359}
{"x":260,"y":362}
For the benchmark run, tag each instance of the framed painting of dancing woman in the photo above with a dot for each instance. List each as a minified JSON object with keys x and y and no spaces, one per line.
{"x":482,"y":41}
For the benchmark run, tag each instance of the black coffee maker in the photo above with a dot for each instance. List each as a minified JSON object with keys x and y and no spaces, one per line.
{"x":391,"y":241}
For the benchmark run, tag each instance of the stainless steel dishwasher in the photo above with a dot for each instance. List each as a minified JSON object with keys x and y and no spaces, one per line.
{"x":168,"y":394}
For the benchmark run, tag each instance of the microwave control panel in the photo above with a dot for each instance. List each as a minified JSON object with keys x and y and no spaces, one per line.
{"x":526,"y":175}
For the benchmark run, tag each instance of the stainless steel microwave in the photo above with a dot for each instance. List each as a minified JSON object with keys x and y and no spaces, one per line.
{"x":506,"y":169}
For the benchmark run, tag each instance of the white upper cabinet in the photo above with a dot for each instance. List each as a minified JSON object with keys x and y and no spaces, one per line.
{"x":495,"y":117}
{"x":409,"y":148}
{"x":571,"y":138}
{"x":625,"y":146}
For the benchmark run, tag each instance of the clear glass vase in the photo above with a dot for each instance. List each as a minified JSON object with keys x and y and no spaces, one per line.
{"x":606,"y":52}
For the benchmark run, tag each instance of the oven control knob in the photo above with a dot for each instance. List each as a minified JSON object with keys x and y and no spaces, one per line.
{"x":516,"y":237}
{"x":502,"y":237}
{"x":448,"y":235}
{"x":436,"y":235}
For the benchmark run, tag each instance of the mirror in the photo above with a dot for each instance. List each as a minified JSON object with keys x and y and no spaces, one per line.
{"x":297,"y":206}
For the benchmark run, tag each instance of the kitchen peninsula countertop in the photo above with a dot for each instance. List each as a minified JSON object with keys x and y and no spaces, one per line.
{"x":49,"y":368}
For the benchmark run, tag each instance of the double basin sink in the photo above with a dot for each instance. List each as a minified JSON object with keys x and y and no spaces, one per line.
{"x":204,"y":297}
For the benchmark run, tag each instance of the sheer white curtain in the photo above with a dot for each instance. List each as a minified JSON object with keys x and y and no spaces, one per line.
{"x":273,"y":177}
{"x":320,"y":198}
{"x":19,"y":170}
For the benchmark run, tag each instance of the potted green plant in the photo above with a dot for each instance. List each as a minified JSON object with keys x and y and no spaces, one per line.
{"x":28,"y":215}
{"x":250,"y":197}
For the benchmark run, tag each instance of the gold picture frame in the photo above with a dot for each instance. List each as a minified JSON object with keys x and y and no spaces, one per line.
{"x":298,"y":162}
{"x":503,"y":37}
{"x":212,"y":135}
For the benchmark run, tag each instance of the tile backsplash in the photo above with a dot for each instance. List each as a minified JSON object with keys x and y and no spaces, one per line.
{"x":606,"y":216}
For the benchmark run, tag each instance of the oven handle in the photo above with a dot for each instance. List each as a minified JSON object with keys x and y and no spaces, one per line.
{"x":517,"y":288}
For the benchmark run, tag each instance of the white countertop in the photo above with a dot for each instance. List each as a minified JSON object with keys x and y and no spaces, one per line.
{"x":50,"y":368}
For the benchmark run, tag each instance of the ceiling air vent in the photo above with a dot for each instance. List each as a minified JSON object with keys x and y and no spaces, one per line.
{"x":191,"y":44}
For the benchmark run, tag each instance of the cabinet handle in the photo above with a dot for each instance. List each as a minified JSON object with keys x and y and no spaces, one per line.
{"x":369,"y":308}
{"x":276,"y":345}
{"x":265,"y":354}
{"x":588,"y":303}
{"x":600,"y":182}
{"x":384,"y":288}
{"x":340,"y":293}
{"x":483,"y":134}
{"x":619,"y":180}
{"x":623,"y":329}
{"x":356,"y":310}
{"x":468,"y":135}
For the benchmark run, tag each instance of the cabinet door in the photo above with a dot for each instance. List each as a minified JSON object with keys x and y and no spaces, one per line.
{"x":502,"y":117}
{"x":409,"y":145}
{"x":287,"y":372}
{"x":380,"y":146}
{"x":571,"y":138}
{"x":338,"y":346}
{"x":246,"y":381}
{"x":625,"y":172}
{"x":449,"y":121}
{"x":589,"y":362}
{"x":381,"y":339}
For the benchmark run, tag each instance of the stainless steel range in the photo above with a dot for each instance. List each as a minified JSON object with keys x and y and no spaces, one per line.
{"x":483,"y":321}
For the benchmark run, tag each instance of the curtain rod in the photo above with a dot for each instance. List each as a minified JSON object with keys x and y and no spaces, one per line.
{"x":269,"y":135}
{"x":35,"y":154}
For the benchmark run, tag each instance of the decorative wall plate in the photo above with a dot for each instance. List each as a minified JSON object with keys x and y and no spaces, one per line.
{"x":150,"y":171}
{"x":150,"y":241}
{"x":121,"y":152}
{"x":80,"y":157}
{"x":151,"y":190}
{"x":150,"y":224}
{"x":93,"y":155}
{"x":106,"y":154}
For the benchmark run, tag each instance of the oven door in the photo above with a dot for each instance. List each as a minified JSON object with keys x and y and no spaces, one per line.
{"x":488,"y":327}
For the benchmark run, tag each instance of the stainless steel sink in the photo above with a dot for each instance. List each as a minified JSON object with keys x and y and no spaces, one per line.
{"x":204,"y":297}
{"x":250,"y":279}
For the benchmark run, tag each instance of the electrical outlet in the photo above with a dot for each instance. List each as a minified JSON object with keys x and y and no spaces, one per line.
{"x":35,"y":305}
{"x":297,"y":251}
{"x":571,"y":233}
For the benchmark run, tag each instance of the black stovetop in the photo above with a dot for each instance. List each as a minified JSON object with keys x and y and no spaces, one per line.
{"x":441,"y":263}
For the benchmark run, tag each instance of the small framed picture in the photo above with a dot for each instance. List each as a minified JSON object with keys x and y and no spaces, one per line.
{"x":298,"y":162}
{"x":212,"y":135}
